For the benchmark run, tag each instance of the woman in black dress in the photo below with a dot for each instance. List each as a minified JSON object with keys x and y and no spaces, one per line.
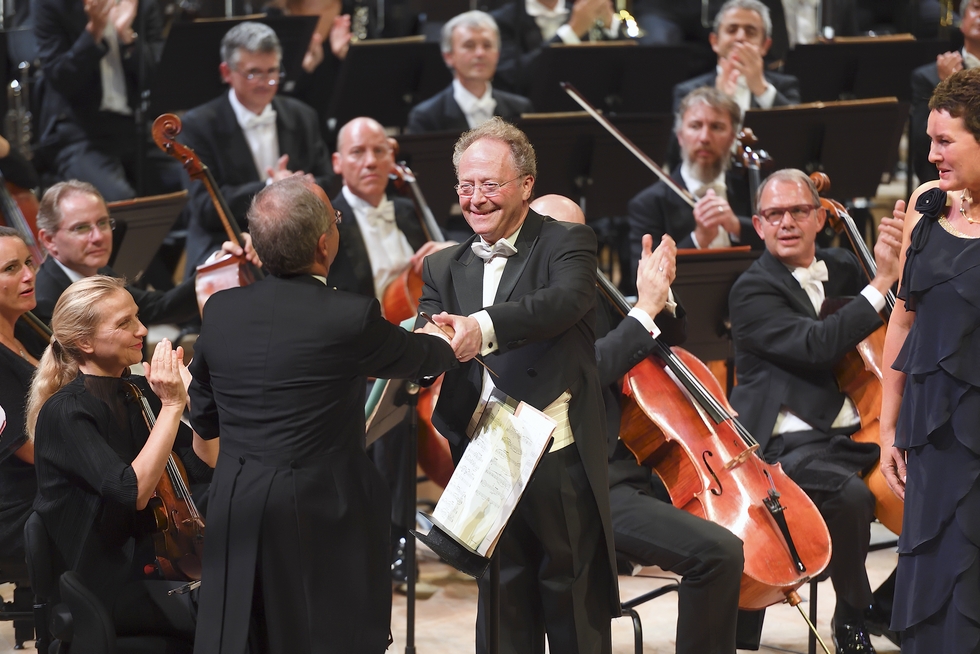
{"x":97,"y":461}
{"x":930,"y":440}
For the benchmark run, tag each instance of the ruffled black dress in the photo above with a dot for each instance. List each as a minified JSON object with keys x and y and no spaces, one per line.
{"x":937,"y":597}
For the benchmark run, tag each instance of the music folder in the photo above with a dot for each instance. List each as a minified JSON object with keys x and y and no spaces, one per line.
{"x":143,"y":224}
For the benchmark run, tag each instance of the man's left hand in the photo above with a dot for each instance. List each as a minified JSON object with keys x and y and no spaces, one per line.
{"x":467,"y":339}
{"x":428,"y":248}
{"x":747,"y":59}
{"x":121,"y":16}
{"x":712,"y":213}
{"x":251,"y":255}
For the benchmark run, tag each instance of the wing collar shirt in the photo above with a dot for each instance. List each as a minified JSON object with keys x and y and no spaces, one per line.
{"x":113,"y":77}
{"x":387,"y":248}
{"x":260,"y":133}
{"x":554,"y":21}
{"x":477,"y":110}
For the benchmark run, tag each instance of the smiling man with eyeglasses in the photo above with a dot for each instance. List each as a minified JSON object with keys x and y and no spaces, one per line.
{"x":248,"y":137}
{"x":787,"y":345}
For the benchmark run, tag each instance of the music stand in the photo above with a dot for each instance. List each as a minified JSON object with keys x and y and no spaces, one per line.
{"x":145,"y":222}
{"x":406,"y":71}
{"x":867,"y":68}
{"x":187,"y":75}
{"x":704,"y":279}
{"x":617,"y":76}
{"x":854,"y":141}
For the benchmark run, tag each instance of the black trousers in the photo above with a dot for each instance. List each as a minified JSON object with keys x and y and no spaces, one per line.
{"x":708,"y":557}
{"x":554,"y":574}
{"x":144,"y":608}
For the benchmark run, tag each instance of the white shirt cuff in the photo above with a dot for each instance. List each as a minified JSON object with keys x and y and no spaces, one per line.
{"x":644,"y":319}
{"x":568,"y":35}
{"x":767,"y":98}
{"x":876,"y":299}
{"x":613,"y":31}
{"x":671,"y":304}
{"x":487,"y":331}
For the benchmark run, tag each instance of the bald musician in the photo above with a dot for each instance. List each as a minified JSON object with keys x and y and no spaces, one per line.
{"x":787,"y":394}
{"x":647,"y":528}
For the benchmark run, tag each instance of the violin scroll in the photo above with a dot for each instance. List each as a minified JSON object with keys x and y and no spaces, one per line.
{"x":165,"y":130}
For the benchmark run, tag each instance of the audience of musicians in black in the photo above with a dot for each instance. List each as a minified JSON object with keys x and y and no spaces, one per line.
{"x":274,"y":445}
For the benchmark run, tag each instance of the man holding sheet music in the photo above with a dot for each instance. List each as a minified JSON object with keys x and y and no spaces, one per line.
{"x":520,"y":296}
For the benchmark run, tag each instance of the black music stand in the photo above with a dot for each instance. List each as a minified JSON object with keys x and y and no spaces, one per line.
{"x":617,"y":76}
{"x":407,"y":71}
{"x":187,"y":74}
{"x":854,"y":142}
{"x":704,"y":279}
{"x":143,"y":224}
{"x":872,"y":68}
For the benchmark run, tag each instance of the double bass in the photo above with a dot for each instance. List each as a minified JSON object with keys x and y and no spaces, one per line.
{"x":859,"y":373}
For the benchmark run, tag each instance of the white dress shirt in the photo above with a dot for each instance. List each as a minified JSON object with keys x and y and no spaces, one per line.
{"x":477,"y":110}
{"x":387,"y":248}
{"x":555,"y":21}
{"x":260,"y":133}
{"x":743,"y":96}
{"x":802,"y":21}
{"x":113,"y":77}
{"x":848,"y":415}
{"x":73,"y":275}
{"x":698,"y":189}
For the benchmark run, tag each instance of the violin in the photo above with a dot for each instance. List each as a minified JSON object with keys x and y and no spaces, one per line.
{"x":401,"y":296}
{"x":859,"y":373}
{"x":178,"y":539}
{"x":19,"y":207}
{"x":677,"y":421}
{"x":229,"y":271}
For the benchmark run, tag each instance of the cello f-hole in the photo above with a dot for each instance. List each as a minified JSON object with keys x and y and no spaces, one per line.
{"x":704,"y":457}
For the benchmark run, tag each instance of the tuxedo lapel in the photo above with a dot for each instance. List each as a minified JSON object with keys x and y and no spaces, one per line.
{"x":352,"y":242}
{"x":467,"y":274}
{"x":287,"y":130}
{"x":526,"y":241}
{"x":793,"y":288}
{"x":455,"y":118}
{"x":231,"y":138}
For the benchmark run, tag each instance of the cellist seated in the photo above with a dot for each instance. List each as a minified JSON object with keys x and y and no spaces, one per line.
{"x":648,"y":529}
{"x":99,"y":463}
{"x":380,"y":238}
{"x":787,"y":394}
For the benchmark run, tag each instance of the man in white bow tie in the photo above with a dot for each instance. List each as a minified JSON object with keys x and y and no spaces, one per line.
{"x":248,"y":137}
{"x":706,"y":125}
{"x":786,"y":351}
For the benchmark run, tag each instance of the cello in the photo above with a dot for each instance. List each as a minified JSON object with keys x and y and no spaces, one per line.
{"x":677,"y":421}
{"x":859,"y":373}
{"x":229,"y":271}
{"x":178,"y":538}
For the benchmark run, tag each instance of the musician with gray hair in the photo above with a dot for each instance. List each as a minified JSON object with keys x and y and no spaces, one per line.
{"x":471,"y":49}
{"x":248,"y":137}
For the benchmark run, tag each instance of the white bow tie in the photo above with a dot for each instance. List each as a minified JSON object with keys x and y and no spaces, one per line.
{"x":384,"y":212}
{"x":265,"y":119}
{"x":485,"y":104}
{"x":810,"y":280}
{"x":499,"y":249}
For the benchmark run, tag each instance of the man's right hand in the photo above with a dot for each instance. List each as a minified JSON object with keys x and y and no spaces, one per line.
{"x":948,"y":63}
{"x":340,"y":36}
{"x":585,"y":13}
{"x":888,"y":248}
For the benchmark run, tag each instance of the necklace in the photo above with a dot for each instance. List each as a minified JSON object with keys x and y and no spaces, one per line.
{"x":16,"y":347}
{"x":965,"y":199}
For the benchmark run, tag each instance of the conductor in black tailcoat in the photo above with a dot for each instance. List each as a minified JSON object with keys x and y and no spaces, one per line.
{"x":471,"y":49}
{"x":521,"y":294}
{"x":248,"y":136}
{"x":706,"y":125}
{"x":296,"y":557}
{"x":787,"y":394}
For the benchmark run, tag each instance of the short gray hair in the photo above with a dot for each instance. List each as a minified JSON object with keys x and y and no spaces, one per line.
{"x":473,"y":19}
{"x":788,"y":175}
{"x":709,"y":95}
{"x":497,"y":129}
{"x":251,"y":37}
{"x":49,"y":214}
{"x":286,"y":220}
{"x":751,"y":5}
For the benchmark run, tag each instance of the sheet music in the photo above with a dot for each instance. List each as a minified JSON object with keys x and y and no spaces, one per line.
{"x":483,"y":492}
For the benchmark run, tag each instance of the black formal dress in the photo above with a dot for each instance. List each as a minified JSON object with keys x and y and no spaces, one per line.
{"x":925,"y":79}
{"x":658,"y":210}
{"x":785,"y":357}
{"x":212,"y":131}
{"x":298,"y":517}
{"x":351,"y":270}
{"x":177,"y":305}
{"x":557,"y":554}
{"x":651,"y":531}
{"x":937,"y":594}
{"x":87,"y":436}
{"x":787,"y":88}
{"x":78,"y":139}
{"x":441,"y":112}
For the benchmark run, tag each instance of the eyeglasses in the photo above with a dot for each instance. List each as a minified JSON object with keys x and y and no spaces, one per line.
{"x":82,"y":230}
{"x":488,"y":189}
{"x":270,"y":76}
{"x":338,"y":216}
{"x":775,"y":215}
